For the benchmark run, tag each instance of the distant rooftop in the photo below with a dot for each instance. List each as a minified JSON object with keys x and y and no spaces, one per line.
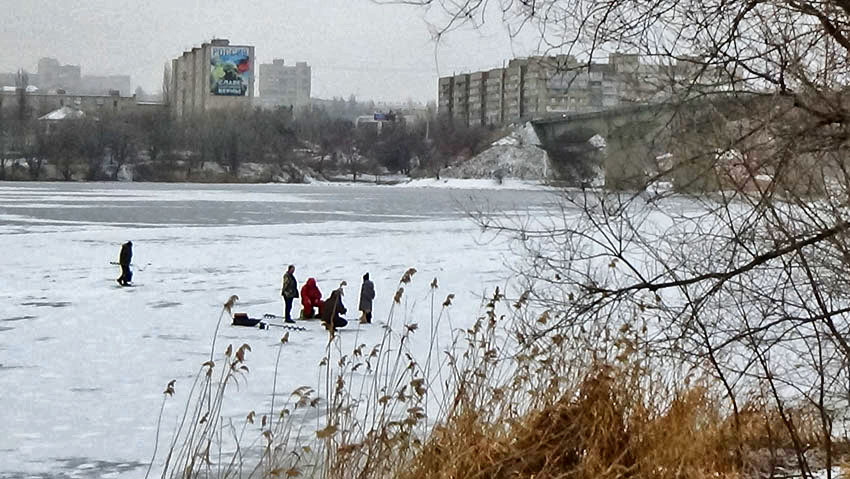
{"x":64,"y":113}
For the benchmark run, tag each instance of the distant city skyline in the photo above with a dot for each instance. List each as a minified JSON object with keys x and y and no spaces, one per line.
{"x":378,"y":52}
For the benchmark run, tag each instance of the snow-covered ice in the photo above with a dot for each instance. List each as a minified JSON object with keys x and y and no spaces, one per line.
{"x":83,"y":362}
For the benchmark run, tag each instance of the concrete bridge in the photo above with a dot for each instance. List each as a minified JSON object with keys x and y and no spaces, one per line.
{"x":636,"y":136}
{"x":633,"y":136}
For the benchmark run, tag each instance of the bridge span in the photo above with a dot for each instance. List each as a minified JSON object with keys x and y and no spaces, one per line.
{"x":633,"y":137}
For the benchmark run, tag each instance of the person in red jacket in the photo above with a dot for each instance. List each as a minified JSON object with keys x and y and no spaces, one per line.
{"x":311,"y":299}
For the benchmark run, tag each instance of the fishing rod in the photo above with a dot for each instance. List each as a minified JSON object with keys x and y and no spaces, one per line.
{"x":138,"y":267}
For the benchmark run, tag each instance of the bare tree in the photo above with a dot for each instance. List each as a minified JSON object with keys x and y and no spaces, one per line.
{"x":62,"y":147}
{"x":21,"y":138}
{"x":4,"y":142}
{"x":121,"y":139}
{"x":743,"y":272}
{"x":166,"y":83}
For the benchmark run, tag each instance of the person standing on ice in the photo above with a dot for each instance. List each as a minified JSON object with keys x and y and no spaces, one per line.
{"x":124,"y":259}
{"x":289,"y":291}
{"x":367,"y":294}
{"x":332,"y":309}
{"x":311,"y":299}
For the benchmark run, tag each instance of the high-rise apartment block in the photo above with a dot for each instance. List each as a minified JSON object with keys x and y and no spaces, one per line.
{"x":52,"y":75}
{"x":545,"y":86}
{"x":284,"y":85}
{"x":213,"y":76}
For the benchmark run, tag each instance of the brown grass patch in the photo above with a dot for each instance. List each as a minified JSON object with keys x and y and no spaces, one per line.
{"x":606,"y":429}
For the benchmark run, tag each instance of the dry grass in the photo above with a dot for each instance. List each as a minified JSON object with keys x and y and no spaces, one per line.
{"x":555,"y":411}
{"x":608,"y":430}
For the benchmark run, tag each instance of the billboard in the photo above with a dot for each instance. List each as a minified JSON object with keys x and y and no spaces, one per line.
{"x":230,"y":70}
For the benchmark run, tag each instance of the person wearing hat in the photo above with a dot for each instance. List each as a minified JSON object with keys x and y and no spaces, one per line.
{"x":367,"y":294}
{"x":311,"y":299}
{"x":333,"y":309}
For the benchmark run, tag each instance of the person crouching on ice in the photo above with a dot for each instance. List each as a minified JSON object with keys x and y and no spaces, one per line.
{"x":311,"y":299}
{"x":332,"y":309}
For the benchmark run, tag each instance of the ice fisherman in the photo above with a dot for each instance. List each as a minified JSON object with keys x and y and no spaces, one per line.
{"x":333,"y":308}
{"x":289,"y":291}
{"x":124,"y":259}
{"x":311,"y":299}
{"x":367,"y":294}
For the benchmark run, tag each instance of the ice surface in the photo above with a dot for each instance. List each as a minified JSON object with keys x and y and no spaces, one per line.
{"x":83,"y":362}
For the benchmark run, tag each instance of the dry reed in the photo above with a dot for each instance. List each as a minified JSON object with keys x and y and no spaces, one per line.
{"x":497,"y":406}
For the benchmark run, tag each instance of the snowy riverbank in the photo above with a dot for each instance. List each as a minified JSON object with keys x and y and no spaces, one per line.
{"x":401,"y":181}
{"x":474,"y":184}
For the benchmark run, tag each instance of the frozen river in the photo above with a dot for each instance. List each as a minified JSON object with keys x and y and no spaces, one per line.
{"x":83,"y":362}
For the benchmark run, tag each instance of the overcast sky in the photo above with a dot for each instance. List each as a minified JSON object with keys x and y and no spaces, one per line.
{"x":381,"y":52}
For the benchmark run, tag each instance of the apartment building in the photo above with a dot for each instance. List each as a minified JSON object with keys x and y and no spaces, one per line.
{"x":53,"y":76}
{"x":537,"y":87}
{"x":285,"y":85}
{"x":216,"y":75}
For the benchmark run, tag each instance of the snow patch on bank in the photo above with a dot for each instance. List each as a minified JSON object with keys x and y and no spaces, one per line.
{"x":518,"y":155}
{"x":474,"y":184}
{"x":400,"y":181}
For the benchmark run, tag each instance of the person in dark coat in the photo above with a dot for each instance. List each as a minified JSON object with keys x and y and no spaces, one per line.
{"x":311,"y":299}
{"x":289,"y":291}
{"x":367,"y":294}
{"x":332,"y":309}
{"x":124,"y":259}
